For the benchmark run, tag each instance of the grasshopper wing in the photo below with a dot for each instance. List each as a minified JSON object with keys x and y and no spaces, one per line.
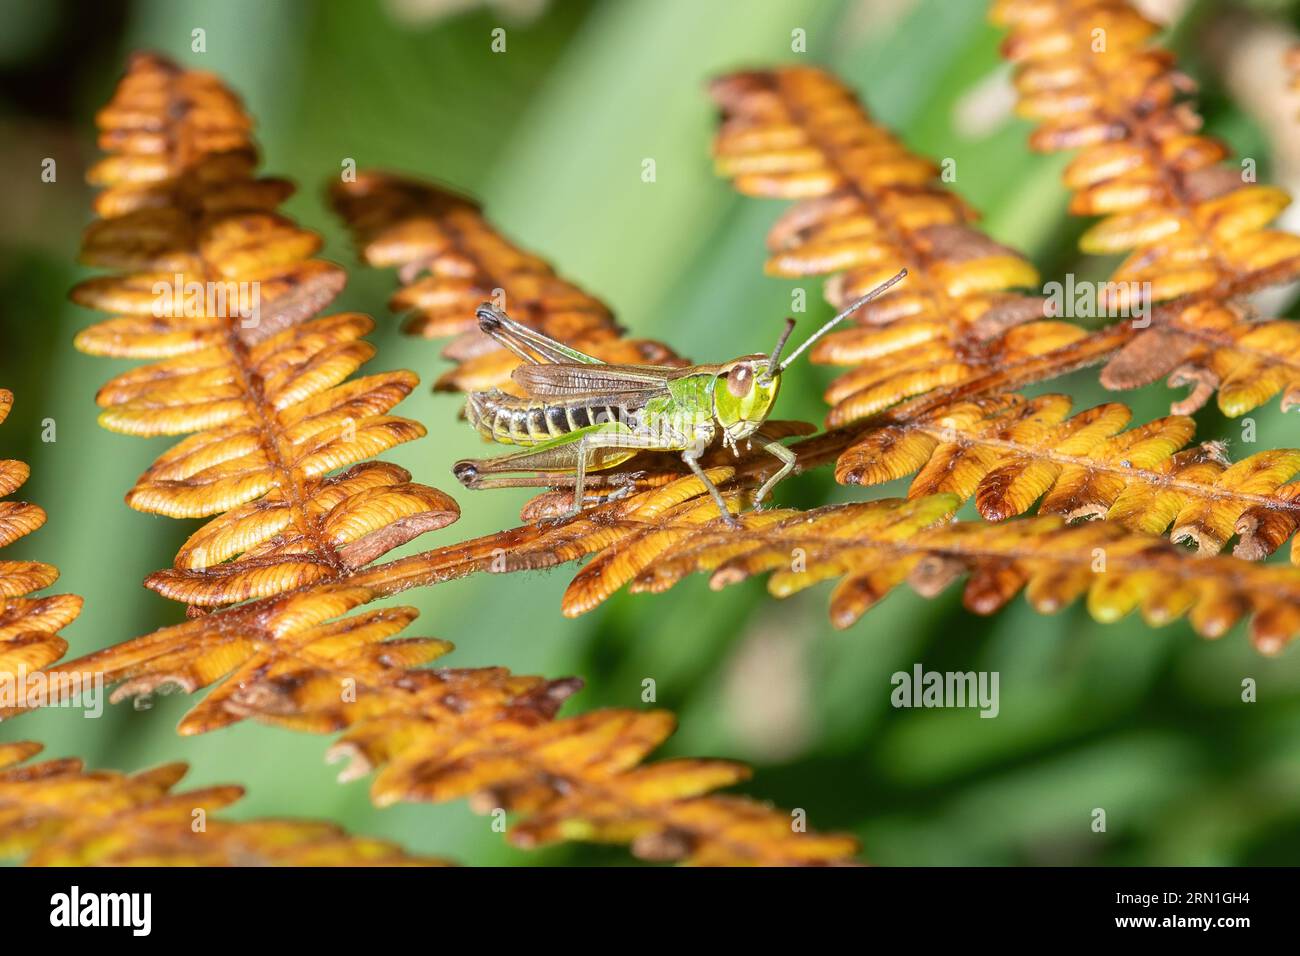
{"x":554,"y":370}
{"x":569,"y":380}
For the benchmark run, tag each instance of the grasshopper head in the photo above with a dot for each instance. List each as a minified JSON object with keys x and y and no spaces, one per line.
{"x":744,"y":394}
{"x":745,"y":388}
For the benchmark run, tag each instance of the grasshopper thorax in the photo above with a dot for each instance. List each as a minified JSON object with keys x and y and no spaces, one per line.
{"x":743,"y":395}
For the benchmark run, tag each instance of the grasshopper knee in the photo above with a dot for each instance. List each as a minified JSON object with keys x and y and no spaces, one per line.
{"x":466,"y":472}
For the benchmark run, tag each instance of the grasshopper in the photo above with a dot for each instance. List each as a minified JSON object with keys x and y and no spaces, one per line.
{"x":580,"y":415}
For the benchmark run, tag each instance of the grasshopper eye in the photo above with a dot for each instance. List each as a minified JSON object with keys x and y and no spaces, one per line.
{"x":740,"y":380}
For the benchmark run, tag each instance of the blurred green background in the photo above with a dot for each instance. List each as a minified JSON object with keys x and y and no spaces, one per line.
{"x":1148,"y":725}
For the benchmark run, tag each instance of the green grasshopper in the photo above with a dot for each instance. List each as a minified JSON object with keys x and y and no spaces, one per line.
{"x":580,"y":414}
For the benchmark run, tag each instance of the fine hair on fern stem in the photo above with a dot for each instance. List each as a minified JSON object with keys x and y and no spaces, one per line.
{"x":774,"y":369}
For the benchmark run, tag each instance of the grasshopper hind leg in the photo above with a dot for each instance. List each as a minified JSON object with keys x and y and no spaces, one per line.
{"x":561,"y":463}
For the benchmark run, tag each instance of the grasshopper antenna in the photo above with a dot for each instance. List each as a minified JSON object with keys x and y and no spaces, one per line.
{"x":849,"y":310}
{"x":780,"y":344}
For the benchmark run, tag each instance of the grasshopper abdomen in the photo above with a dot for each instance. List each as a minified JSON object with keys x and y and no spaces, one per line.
{"x":511,"y":420}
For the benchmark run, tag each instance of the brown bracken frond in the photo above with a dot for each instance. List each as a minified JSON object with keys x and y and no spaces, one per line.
{"x":272,"y":421}
{"x":442,"y":734}
{"x":29,"y":626}
{"x":451,"y":260}
{"x":56,"y":813}
{"x":1008,"y":452}
{"x":798,"y":132}
{"x":222,"y":290}
{"x":873,"y":546}
{"x":1194,"y":230}
{"x":302,"y":655}
{"x":867,"y":207}
{"x":298,"y":661}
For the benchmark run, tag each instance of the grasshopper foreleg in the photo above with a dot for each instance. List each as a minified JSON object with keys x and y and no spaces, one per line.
{"x":776,"y":449}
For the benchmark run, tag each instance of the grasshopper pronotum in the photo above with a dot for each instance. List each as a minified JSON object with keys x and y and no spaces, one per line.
{"x":580,"y":414}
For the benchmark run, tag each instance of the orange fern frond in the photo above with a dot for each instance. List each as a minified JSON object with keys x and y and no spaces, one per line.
{"x":300,"y":654}
{"x":1008,"y":452}
{"x":868,"y":207}
{"x":56,"y":813}
{"x":874,"y":546}
{"x":290,"y":659}
{"x":451,"y":261}
{"x":441,"y":734}
{"x":297,"y":660}
{"x":272,"y":422}
{"x":946,"y":343}
{"x":1194,"y":230}
{"x":222,"y":290}
{"x":29,"y":626}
